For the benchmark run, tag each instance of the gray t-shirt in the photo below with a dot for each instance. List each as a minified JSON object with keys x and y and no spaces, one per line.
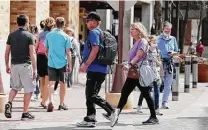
{"x":20,"y":41}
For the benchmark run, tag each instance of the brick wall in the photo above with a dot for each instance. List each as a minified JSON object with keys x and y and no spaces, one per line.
{"x":4,"y":19}
{"x":59,"y":9}
{"x":22,"y":7}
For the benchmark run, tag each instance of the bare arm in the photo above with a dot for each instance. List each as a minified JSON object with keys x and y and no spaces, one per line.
{"x":139,"y":54}
{"x":46,"y":52}
{"x":7,"y":53}
{"x":68,"y":54}
{"x":37,"y":42}
{"x":33,"y":56}
{"x":93,"y":55}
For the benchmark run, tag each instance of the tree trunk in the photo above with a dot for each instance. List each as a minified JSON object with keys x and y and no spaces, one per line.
{"x":158,"y":16}
{"x":200,"y":20}
{"x":184,"y":26}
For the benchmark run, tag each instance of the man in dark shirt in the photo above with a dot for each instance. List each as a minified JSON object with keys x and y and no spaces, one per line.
{"x":20,"y":44}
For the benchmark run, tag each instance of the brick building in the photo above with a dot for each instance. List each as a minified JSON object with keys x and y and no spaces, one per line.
{"x":37,"y":10}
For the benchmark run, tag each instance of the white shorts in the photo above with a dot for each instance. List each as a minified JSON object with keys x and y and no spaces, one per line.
{"x":22,"y":77}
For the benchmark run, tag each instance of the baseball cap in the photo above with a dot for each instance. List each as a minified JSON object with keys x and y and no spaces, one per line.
{"x":93,"y":15}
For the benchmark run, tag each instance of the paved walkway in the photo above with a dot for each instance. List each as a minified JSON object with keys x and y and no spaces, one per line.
{"x":189,"y":113}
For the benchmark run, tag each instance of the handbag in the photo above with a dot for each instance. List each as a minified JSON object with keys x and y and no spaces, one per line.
{"x":147,"y":75}
{"x":133,"y":73}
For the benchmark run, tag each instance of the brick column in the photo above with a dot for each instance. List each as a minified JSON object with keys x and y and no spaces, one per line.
{"x":67,"y":9}
{"x":4,"y":19}
{"x":22,"y":7}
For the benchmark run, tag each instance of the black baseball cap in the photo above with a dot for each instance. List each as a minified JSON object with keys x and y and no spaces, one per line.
{"x":93,"y":15}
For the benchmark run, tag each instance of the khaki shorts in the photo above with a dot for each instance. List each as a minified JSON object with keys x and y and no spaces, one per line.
{"x":22,"y":77}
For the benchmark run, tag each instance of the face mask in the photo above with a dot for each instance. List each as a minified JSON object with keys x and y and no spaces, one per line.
{"x":153,"y":45}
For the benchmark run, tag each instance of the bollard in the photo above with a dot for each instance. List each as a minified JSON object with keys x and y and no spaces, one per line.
{"x":187,"y":74}
{"x":175,"y":88}
{"x":194,"y":71}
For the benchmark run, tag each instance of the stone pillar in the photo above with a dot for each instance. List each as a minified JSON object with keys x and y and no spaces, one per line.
{"x":42,"y":11}
{"x":67,"y":9}
{"x":127,"y":39}
{"x":4,"y":21}
{"x":22,"y":7}
{"x":147,"y":15}
{"x":4,"y":25}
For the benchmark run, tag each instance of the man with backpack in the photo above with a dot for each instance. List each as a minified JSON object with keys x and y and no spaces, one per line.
{"x":96,"y":72}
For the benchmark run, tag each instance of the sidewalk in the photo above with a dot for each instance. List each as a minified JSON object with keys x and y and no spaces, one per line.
{"x":189,"y":113}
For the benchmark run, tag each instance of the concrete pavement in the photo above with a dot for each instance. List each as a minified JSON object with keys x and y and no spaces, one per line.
{"x":189,"y":113}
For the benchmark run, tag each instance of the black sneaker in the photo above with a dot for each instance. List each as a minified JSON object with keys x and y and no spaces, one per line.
{"x":8,"y":110}
{"x":27,"y":116}
{"x":107,"y":116}
{"x":151,"y":121}
{"x":63,"y":107}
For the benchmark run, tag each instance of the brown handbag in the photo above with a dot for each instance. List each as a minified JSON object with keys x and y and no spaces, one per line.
{"x":133,"y":73}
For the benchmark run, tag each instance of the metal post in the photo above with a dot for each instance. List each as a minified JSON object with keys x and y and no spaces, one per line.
{"x":195,"y":71}
{"x":187,"y":74}
{"x":175,"y":88}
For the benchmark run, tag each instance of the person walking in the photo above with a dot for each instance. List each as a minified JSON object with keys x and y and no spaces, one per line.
{"x":137,"y":55}
{"x":20,"y":44}
{"x":75,"y":53}
{"x":168,"y":46}
{"x":155,"y":62}
{"x":34,"y":30}
{"x":96,"y":72}
{"x":58,"y":46}
{"x":42,"y":60}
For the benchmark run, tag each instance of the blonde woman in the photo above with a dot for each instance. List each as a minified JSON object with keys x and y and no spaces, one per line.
{"x":42,"y":60}
{"x":137,"y":54}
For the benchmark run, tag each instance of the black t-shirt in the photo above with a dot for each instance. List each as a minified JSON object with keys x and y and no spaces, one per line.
{"x":20,"y":41}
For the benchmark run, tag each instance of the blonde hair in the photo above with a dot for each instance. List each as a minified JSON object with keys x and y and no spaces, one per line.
{"x":152,"y":38}
{"x":49,"y":23}
{"x":141,"y":28}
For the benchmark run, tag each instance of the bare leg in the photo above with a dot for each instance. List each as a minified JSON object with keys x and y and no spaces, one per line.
{"x":27,"y":98}
{"x":42,"y":85}
{"x":62,"y":92}
{"x":1,"y":85}
{"x":50,"y":91}
{"x":12,"y":94}
{"x":45,"y":91}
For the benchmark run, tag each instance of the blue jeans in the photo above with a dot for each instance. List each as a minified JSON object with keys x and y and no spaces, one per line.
{"x":156,"y":95}
{"x":168,"y":79}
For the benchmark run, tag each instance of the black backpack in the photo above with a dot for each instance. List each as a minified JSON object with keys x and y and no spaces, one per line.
{"x":108,"y":48}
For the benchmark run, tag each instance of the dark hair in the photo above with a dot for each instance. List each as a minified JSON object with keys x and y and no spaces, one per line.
{"x":22,"y":20}
{"x":60,"y":22}
{"x":42,"y":24}
{"x":33,"y":29}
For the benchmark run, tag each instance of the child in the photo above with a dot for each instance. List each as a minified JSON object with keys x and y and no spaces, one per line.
{"x":153,"y":57}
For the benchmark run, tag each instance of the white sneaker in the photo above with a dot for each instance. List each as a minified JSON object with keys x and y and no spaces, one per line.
{"x":139,"y":109}
{"x":157,"y":111}
{"x":114,"y":117}
{"x":85,"y":124}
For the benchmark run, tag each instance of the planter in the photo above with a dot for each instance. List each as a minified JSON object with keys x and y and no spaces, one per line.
{"x":3,"y":100}
{"x":202,"y":72}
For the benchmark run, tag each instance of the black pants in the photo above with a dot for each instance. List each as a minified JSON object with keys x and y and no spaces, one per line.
{"x":128,"y":87}
{"x":93,"y":86}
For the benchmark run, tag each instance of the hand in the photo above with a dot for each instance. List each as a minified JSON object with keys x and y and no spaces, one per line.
{"x":69,"y":69}
{"x":34,"y":74}
{"x":125,"y":68}
{"x":8,"y":70}
{"x":83,"y":68}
